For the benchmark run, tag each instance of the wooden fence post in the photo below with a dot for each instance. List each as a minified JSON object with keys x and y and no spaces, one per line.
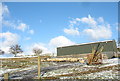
{"x":6,"y":76}
{"x":39,"y":61}
{"x":1,"y":64}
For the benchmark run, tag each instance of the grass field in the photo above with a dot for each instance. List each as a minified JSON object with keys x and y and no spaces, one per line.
{"x":62,"y":70}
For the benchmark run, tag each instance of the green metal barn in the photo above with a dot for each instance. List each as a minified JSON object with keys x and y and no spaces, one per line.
{"x":110,"y":48}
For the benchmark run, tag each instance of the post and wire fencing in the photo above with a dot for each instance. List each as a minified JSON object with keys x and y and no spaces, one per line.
{"x":20,"y":64}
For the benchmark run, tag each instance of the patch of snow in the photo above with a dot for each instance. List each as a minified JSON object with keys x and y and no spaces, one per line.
{"x":2,"y":71}
{"x":89,"y":66}
{"x":28,"y":68}
{"x":114,"y":60}
{"x":16,"y":78}
{"x":15,"y":57}
{"x":65,"y":77}
{"x":1,"y":78}
{"x":103,"y":75}
{"x":111,"y":62}
{"x":108,"y":65}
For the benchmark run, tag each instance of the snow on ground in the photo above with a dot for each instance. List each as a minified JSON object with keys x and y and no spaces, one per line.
{"x":111,"y":62}
{"x":12,"y":56}
{"x":77,"y":68}
{"x":110,"y":74}
{"x":102,"y":75}
{"x":58,"y":72}
{"x":98,"y":75}
{"x":2,"y":70}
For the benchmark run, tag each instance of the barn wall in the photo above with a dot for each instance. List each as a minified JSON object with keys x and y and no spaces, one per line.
{"x":109,"y":54}
{"x":109,"y":48}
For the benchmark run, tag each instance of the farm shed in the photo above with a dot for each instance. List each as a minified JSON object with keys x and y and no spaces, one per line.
{"x":110,"y":48}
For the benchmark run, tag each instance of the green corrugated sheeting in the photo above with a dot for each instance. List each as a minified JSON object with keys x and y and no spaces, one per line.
{"x":109,"y":46}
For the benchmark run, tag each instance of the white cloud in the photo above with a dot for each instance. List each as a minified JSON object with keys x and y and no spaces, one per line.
{"x":31,"y":31}
{"x":37,"y":45}
{"x":72,"y":22}
{"x":96,"y":32}
{"x":99,"y":32}
{"x":4,"y":9}
{"x":78,"y":19}
{"x":0,"y":12}
{"x":100,"y":19}
{"x":22,"y":26}
{"x":72,"y":31}
{"x":9,"y":23}
{"x":8,"y":40}
{"x":4,"y":12}
{"x":76,"y":22}
{"x":17,"y":25}
{"x":89,"y":20}
{"x":60,"y":41}
{"x":0,"y":16}
{"x":94,"y":28}
{"x":117,"y":26}
{"x":27,"y":38}
{"x":51,"y":46}
{"x":41,"y":46}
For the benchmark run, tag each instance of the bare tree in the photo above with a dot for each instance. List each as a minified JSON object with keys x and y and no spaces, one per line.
{"x":1,"y":52}
{"x":15,"y":49}
{"x":37,"y":51}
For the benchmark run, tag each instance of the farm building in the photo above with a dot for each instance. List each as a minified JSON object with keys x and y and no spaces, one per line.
{"x":109,"y":48}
